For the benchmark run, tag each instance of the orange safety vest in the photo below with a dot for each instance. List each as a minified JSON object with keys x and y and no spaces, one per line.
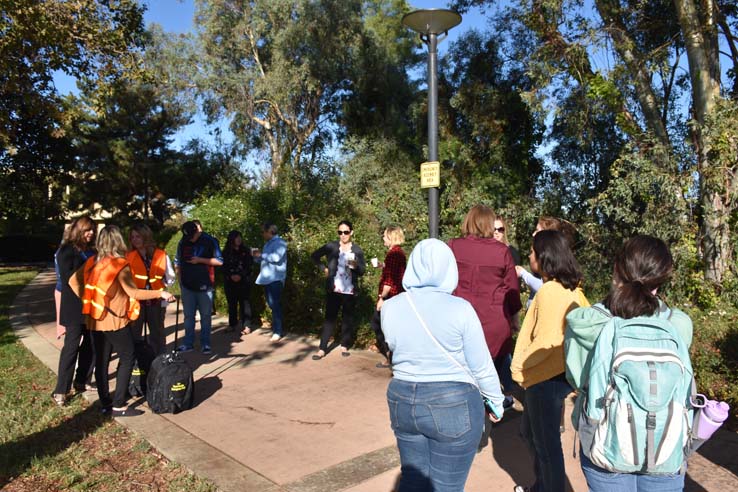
{"x":98,"y":277}
{"x":155,"y":275}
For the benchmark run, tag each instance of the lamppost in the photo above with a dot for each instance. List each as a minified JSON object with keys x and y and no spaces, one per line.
{"x":429,"y":23}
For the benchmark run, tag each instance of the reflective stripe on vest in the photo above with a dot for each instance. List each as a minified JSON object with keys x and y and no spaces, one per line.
{"x":154,"y":277}
{"x":98,"y":277}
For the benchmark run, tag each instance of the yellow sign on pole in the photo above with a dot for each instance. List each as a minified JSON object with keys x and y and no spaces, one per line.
{"x":430,"y":174}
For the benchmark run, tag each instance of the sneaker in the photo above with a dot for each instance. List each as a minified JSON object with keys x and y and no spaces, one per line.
{"x":520,"y":488}
{"x":206,"y":350}
{"x":126,"y":412}
{"x":184,"y":348}
{"x":276,"y":338}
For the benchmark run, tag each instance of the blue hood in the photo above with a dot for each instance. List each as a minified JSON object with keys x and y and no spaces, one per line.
{"x":431,"y":267}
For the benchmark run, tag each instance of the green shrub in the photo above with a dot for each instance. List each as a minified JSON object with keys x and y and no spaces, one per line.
{"x":714,"y":354}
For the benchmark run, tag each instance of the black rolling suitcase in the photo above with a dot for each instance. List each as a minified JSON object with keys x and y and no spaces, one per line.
{"x":171,"y":387}
{"x":145,"y":356}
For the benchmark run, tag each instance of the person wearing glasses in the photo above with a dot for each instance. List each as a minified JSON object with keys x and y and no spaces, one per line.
{"x":500,"y":233}
{"x":344,"y":265}
{"x":487,"y":279}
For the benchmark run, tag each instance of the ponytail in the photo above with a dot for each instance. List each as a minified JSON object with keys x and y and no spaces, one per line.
{"x":642,"y":266}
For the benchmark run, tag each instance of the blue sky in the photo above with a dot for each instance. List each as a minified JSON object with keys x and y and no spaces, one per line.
{"x":176,"y":16}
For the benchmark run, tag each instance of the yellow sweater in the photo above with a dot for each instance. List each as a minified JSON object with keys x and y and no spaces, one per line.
{"x":539,"y":350}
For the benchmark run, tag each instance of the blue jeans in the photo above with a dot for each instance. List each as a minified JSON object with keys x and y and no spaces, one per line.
{"x":274,"y":300}
{"x":539,"y":427}
{"x":600,"y":480}
{"x":437,"y":427}
{"x":202,"y":301}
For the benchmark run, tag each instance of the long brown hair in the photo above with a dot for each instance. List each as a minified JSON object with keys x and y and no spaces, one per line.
{"x":479,"y":221}
{"x":642,"y":265}
{"x":76,"y":232}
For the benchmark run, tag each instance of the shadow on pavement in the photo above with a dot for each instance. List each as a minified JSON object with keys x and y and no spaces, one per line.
{"x":17,"y":456}
{"x":722,"y":450}
{"x":691,"y":486}
{"x":205,"y":388}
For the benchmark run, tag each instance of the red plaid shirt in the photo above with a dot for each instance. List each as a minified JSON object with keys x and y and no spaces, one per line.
{"x":394,"y":269}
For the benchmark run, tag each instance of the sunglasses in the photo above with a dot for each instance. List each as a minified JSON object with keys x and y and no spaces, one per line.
{"x":499,"y":229}
{"x":344,"y":233}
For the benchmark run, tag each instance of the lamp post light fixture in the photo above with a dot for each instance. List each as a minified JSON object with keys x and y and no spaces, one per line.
{"x":429,"y":24}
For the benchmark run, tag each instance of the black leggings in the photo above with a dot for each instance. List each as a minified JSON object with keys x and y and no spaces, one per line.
{"x":239,"y":308}
{"x":151,"y":314}
{"x":376,"y":323}
{"x":120,"y":341}
{"x":70,"y":353}
{"x":334,"y":302}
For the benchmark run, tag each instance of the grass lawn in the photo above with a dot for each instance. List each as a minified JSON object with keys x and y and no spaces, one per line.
{"x":46,"y":448}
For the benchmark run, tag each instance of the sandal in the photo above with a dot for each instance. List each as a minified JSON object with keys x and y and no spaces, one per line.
{"x":59,"y":399}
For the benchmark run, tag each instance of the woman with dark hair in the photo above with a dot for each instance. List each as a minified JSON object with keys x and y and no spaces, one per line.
{"x":641,"y":268}
{"x":109,"y":298}
{"x":152,"y":270}
{"x":77,"y":247}
{"x":344,"y":265}
{"x":538,"y":360}
{"x":237,"y":263}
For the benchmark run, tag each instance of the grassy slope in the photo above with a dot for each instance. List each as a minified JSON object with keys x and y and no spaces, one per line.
{"x":43,"y":447}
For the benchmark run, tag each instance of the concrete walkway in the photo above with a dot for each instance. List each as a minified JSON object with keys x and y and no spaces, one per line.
{"x":269,"y":418}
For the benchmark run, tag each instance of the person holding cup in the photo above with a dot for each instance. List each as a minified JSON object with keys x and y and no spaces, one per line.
{"x":344,"y":265}
{"x":390,"y":283}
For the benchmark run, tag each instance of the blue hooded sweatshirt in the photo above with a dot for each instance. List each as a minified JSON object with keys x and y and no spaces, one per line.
{"x":430,"y":278}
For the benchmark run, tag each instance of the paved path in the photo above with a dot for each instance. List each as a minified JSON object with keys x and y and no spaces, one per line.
{"x":268,"y":418}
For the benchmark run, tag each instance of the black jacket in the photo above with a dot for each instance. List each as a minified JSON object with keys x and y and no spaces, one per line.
{"x":70,"y":309}
{"x":331,"y":252}
{"x":237,"y":263}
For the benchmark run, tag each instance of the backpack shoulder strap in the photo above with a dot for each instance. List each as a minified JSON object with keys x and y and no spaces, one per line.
{"x":603,"y":311}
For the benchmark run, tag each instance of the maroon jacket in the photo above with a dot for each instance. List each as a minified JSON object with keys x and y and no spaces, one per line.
{"x":487,"y":279}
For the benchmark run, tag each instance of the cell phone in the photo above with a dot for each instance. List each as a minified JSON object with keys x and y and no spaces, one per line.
{"x":493,"y":409}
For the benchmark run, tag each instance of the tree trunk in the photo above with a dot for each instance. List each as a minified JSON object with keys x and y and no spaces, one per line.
{"x":700,"y":39}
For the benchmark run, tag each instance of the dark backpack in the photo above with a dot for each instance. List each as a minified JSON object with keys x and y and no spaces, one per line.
{"x":144,"y":357}
{"x":171,"y":387}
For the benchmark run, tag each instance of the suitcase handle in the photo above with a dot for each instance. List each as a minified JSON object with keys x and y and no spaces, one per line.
{"x":176,"y":324}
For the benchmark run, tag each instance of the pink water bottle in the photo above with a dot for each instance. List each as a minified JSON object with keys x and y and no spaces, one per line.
{"x":710,"y":418}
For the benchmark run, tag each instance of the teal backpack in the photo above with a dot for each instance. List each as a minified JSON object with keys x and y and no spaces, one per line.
{"x":636,"y":414}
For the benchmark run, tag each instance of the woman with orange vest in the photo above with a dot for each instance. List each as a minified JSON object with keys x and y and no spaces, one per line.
{"x":110,"y":301}
{"x":152,"y":270}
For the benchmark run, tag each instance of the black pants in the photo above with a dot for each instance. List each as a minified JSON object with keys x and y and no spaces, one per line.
{"x":70,"y":353}
{"x":334,"y":302}
{"x":376,"y":323}
{"x":151,"y":314}
{"x":239,"y":307}
{"x":120,"y":341}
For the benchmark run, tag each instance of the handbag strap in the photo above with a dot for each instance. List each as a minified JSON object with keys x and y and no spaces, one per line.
{"x":438,"y":344}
